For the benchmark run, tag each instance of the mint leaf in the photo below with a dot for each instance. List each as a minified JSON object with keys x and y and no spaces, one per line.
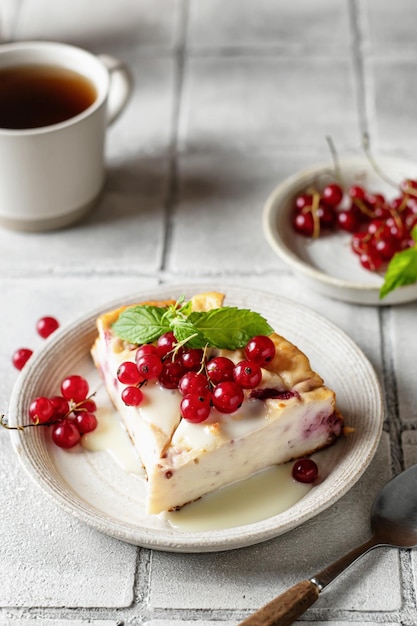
{"x":225,"y":327}
{"x":185,"y":331}
{"x":402,"y":269}
{"x":229,"y":327}
{"x":142,"y":323}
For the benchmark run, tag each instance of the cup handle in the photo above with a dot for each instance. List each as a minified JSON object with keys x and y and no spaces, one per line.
{"x":121,"y":86}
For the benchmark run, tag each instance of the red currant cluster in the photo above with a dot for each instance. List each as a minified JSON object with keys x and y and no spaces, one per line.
{"x":45,"y":326}
{"x":203,"y":382}
{"x":380,"y":227}
{"x":69,"y":415}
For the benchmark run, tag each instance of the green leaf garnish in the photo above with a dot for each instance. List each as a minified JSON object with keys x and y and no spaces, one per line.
{"x":402,"y":269}
{"x":142,"y":324}
{"x":229,"y":327}
{"x":224,"y":327}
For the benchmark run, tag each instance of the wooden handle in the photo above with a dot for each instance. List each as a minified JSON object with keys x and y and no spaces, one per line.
{"x":285,"y":609}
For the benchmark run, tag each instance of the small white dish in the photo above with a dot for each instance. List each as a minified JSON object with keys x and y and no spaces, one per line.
{"x":93,"y":488}
{"x":327,"y":264}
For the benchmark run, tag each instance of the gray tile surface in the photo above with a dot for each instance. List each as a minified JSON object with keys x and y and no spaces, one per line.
{"x":229,"y":100}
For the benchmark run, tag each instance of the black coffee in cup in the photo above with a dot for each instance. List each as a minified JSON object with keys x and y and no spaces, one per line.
{"x":34,"y":96}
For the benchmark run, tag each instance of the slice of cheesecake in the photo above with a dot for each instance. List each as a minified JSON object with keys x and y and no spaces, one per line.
{"x":290,"y":414}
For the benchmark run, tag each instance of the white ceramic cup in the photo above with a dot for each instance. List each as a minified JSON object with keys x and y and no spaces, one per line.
{"x":52,"y":176}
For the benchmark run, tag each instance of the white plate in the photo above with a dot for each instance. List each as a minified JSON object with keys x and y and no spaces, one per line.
{"x":94,"y":489}
{"x":327,"y":264}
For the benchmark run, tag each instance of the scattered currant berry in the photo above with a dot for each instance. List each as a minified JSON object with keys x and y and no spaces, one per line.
{"x":305,"y":471}
{"x":65,"y":434}
{"x":85,"y":422}
{"x":20,"y":357}
{"x":260,"y":349}
{"x":41,"y":410}
{"x":46,"y":326}
{"x":128,"y":373}
{"x":74,"y":388}
{"x":247,"y":374}
{"x":219,"y":369}
{"x":227,"y":396}
{"x":132,"y":396}
{"x":195,"y":408}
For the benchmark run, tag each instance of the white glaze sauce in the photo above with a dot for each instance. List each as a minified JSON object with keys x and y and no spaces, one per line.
{"x":251,"y":500}
{"x":111,"y":436}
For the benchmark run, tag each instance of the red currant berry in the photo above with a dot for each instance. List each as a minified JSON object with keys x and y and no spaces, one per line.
{"x":61,"y":407}
{"x":193,"y":382}
{"x":332,"y":194}
{"x":149,"y":366}
{"x":219,"y":369}
{"x":374,"y":200}
{"x":360,"y":242}
{"x":21,"y":357}
{"x":376,"y":226}
{"x":247,"y":374}
{"x":227,"y":396}
{"x":65,"y":434}
{"x":128,"y":373}
{"x":357,"y":193}
{"x":166,"y":343}
{"x":74,"y":388}
{"x":147,"y":348}
{"x":348,"y":220}
{"x":386,"y":248}
{"x":305,"y":471}
{"x":171,"y":373}
{"x":85,"y":422}
{"x":41,"y":410}
{"x":46,"y":326}
{"x":395,"y":226}
{"x":408,"y":185}
{"x":192,"y":358}
{"x":305,"y":200}
{"x":86,"y":406}
{"x":260,"y":349}
{"x":303,"y":224}
{"x":132,"y":396}
{"x":195,"y":408}
{"x":326,"y":215}
{"x":370,"y":260}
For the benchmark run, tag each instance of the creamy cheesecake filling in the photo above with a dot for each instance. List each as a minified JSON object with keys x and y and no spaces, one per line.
{"x":290,"y":414}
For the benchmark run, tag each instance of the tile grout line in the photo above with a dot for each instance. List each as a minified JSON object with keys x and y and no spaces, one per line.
{"x":172,"y":191}
{"x":358,"y":65}
{"x":392,"y":419}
